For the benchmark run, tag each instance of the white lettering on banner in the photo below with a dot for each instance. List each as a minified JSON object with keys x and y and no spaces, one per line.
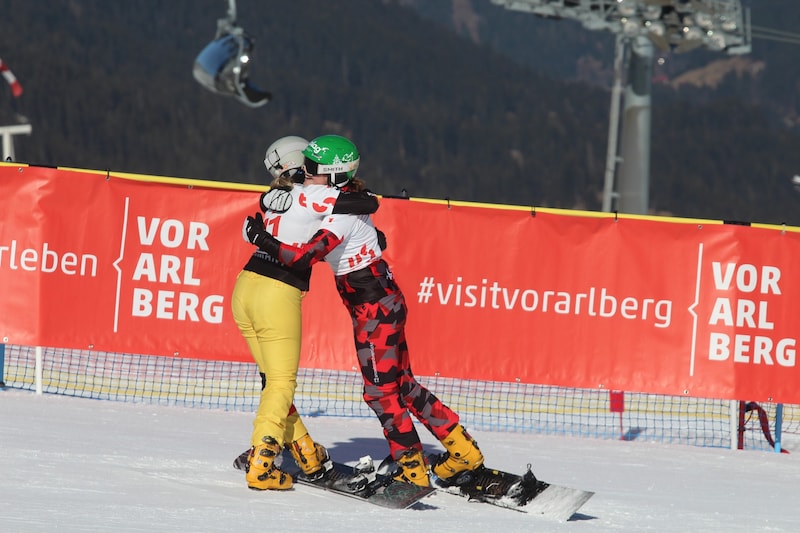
{"x":746,"y":277}
{"x":181,"y":306}
{"x":755,"y":349}
{"x":168,"y":271}
{"x":173,"y":269}
{"x":47,"y":260}
{"x":172,"y":233}
{"x":744,"y":316}
{"x":591,"y":303}
{"x":750,"y":313}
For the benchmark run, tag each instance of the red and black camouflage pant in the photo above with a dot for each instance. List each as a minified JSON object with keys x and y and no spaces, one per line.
{"x":390,"y":388}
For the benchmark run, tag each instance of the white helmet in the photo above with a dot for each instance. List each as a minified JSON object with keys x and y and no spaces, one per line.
{"x":285,"y":155}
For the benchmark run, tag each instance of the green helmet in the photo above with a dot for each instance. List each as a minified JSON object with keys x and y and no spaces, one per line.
{"x":332,"y":155}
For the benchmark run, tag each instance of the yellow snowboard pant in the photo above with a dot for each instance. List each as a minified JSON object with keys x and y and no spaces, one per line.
{"x":268,"y":313}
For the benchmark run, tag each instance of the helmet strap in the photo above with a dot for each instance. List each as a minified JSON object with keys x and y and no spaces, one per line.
{"x":333,"y":183}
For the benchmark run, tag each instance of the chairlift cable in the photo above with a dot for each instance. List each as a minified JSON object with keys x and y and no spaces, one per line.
{"x":767,"y":37}
{"x":771,"y":34}
{"x":782,"y":33}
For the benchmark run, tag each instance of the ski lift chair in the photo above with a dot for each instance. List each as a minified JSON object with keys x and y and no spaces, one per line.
{"x":222,"y":66}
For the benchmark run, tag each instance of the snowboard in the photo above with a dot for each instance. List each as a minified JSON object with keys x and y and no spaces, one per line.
{"x":522,"y":493}
{"x":361,"y":482}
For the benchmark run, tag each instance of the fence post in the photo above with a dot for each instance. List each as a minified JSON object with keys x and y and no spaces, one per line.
{"x":38,"y":370}
{"x":617,"y":405}
{"x":738,"y":416}
{"x":2,"y":366}
{"x":778,"y":426}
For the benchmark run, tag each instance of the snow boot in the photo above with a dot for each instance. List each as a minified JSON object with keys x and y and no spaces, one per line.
{"x":262,"y":474}
{"x":312,"y":458}
{"x":462,"y":454}
{"x":412,"y":468}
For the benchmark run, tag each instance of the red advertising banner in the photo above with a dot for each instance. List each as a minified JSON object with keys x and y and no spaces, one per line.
{"x":691,"y":308}
{"x":100,"y":262}
{"x":574,"y":299}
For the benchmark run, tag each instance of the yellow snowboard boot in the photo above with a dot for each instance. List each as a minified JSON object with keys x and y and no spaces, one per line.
{"x":312,"y":458}
{"x":462,"y":454}
{"x":262,"y":474}
{"x":412,"y":468}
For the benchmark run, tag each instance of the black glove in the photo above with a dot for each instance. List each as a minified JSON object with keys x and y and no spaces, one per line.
{"x":381,"y":239}
{"x":254,"y":230}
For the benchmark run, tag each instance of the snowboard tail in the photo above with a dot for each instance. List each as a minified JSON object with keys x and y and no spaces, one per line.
{"x":522,"y":493}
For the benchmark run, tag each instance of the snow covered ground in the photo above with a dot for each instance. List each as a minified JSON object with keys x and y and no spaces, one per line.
{"x":71,"y":464}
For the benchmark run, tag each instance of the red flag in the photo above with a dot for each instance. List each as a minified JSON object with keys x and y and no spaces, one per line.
{"x":16,"y":88}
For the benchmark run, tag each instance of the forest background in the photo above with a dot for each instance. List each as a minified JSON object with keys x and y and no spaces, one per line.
{"x":458,"y":99}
